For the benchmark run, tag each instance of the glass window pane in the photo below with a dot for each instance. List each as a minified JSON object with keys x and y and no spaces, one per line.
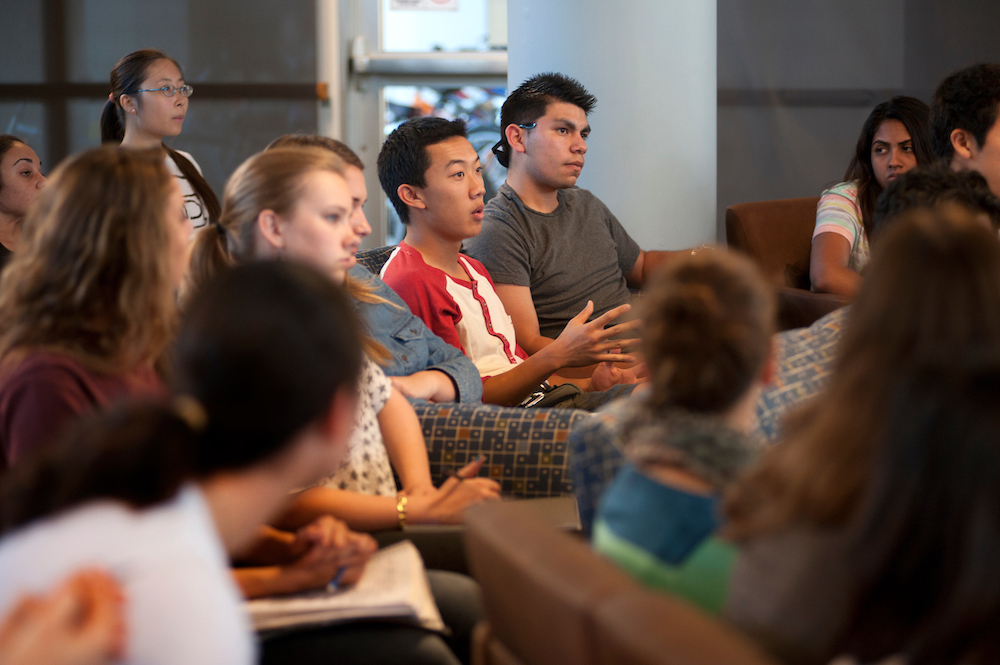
{"x":84,"y":124}
{"x":220,"y":134}
{"x":221,"y":41}
{"x":443,"y":25}
{"x":478,"y":106}
{"x":26,"y":120}
{"x":21,"y":59}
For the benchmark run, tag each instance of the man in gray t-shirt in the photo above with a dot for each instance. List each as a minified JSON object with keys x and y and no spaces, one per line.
{"x":575,"y":253}
{"x":550,"y":246}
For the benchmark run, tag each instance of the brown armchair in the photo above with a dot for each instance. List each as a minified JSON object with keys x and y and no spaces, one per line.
{"x":778,"y":236}
{"x":549,"y":599}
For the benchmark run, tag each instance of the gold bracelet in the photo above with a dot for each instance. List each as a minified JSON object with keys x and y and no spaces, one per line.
{"x":401,"y":510}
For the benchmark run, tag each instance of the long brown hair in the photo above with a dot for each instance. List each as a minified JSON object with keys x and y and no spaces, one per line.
{"x":931,"y":298}
{"x":126,"y":77}
{"x":270,"y":180}
{"x":90,"y":277}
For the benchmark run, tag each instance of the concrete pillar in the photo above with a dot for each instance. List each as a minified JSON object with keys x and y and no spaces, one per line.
{"x":652,"y":66}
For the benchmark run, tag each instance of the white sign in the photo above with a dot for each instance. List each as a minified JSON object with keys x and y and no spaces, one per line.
{"x":426,"y":5}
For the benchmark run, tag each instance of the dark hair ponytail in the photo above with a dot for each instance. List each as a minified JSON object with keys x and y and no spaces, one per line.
{"x":126,"y":77}
{"x":198,"y":183}
{"x":264,"y":349}
{"x":140,"y":453}
{"x":112,"y":129}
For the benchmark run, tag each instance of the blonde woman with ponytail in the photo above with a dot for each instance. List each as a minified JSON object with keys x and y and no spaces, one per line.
{"x":294,"y":203}
{"x":708,"y":323}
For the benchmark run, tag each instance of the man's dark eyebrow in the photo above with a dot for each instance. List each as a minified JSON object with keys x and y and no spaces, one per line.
{"x":572,"y":125}
{"x":459,"y":161}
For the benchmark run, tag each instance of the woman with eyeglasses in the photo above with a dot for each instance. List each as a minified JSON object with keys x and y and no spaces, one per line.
{"x":148,"y":101}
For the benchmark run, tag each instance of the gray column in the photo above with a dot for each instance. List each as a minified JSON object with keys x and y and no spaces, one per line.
{"x":652,"y":65}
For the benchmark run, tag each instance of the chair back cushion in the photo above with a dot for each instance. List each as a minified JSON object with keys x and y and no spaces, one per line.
{"x":374,"y":259}
{"x":777,"y":234}
{"x":550,"y":599}
{"x":645,"y":628}
{"x":539,"y":584}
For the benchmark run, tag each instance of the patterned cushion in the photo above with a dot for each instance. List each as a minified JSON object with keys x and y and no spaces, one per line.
{"x":804,"y":360}
{"x":526,"y":450}
{"x":374,"y":259}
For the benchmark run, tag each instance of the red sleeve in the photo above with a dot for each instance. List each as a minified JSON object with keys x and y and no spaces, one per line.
{"x":425,"y":291}
{"x":35,"y":406}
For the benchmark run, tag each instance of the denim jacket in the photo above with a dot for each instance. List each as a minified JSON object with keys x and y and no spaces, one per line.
{"x":413,"y":346}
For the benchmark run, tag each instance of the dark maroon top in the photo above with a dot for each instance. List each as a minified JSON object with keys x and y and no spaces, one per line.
{"x":48,"y":390}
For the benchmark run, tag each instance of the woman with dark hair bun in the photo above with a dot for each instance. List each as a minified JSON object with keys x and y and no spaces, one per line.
{"x":162,"y":494}
{"x":708,"y":321}
{"x":20,"y":181}
{"x":893,"y":140}
{"x":148,"y":101}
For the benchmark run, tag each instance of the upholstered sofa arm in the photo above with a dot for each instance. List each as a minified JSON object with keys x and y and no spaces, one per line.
{"x":526,"y":450}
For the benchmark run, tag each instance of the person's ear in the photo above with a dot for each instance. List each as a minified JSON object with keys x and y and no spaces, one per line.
{"x":515,"y":137}
{"x":964,"y":143}
{"x":272,"y":229}
{"x":129,"y":104}
{"x":411,"y":196}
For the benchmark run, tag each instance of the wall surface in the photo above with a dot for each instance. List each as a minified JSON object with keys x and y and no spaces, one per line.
{"x":652,"y":65}
{"x":797,"y":80}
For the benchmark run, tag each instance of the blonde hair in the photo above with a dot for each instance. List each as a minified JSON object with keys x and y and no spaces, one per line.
{"x":270,"y":180}
{"x":91,"y":277}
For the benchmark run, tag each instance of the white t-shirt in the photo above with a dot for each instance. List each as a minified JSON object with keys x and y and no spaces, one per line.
{"x":182,"y":605}
{"x":195,"y":207}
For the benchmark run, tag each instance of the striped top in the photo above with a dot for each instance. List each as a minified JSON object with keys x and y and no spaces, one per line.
{"x":838,"y":212}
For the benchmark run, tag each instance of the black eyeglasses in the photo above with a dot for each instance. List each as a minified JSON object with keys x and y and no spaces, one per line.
{"x":501,"y":152}
{"x":169,"y":90}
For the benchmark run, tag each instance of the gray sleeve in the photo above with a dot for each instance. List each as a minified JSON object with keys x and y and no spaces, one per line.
{"x":628,"y":249}
{"x":502,"y":249}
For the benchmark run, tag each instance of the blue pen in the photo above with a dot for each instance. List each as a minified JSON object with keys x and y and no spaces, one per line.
{"x":335,"y":582}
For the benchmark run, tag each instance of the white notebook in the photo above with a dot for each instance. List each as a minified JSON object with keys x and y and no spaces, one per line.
{"x":394,"y":586}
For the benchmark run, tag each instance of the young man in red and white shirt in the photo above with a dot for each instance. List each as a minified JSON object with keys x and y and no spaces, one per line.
{"x":432,"y":175}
